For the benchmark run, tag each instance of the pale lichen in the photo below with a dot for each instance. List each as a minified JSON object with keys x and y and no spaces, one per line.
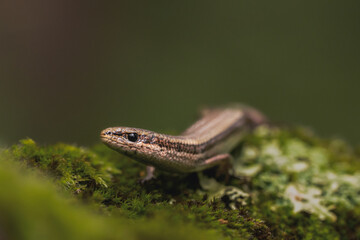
{"x":293,"y":169}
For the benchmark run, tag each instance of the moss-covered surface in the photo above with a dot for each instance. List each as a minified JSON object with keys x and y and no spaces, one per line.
{"x":299,"y":186}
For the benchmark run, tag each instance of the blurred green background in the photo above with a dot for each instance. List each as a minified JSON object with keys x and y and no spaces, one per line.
{"x":71,"y":68}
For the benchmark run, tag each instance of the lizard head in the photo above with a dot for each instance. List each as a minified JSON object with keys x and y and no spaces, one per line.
{"x":133,"y":142}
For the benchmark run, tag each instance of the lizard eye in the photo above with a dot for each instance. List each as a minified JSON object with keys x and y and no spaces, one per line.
{"x":132,"y":137}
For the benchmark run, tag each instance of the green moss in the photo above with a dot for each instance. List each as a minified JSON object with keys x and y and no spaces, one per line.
{"x":71,"y":192}
{"x":32,"y":207}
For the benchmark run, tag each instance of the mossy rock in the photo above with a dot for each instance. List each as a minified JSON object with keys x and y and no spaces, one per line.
{"x":299,"y":187}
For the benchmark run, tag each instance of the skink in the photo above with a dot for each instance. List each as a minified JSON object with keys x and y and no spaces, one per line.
{"x":204,"y":144}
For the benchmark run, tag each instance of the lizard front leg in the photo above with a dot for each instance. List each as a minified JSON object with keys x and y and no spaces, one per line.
{"x":150,"y":170}
{"x":224,"y":162}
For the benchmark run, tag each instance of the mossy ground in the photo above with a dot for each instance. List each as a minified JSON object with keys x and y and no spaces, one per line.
{"x":68,"y":192}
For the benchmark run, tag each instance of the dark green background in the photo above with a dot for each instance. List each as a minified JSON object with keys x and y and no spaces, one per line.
{"x":70,"y":68}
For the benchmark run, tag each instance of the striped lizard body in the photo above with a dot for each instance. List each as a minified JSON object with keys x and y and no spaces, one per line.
{"x":204,"y":144}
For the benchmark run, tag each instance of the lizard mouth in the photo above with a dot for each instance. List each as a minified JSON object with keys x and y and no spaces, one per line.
{"x":105,"y":135}
{"x":109,"y":139}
